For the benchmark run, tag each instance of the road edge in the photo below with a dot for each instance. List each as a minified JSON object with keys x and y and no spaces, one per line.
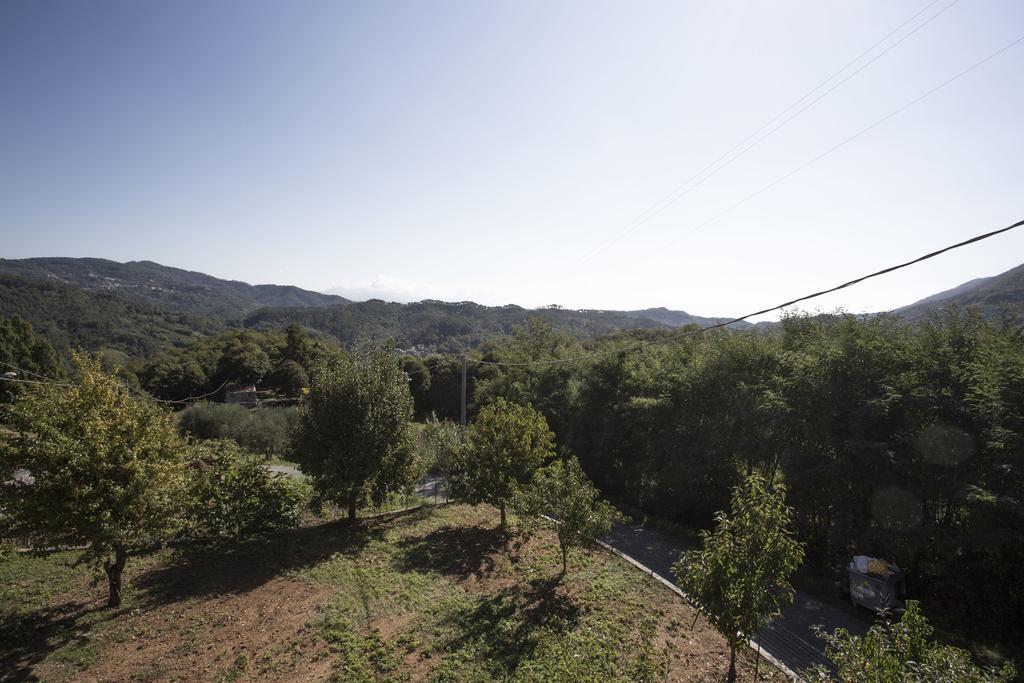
{"x":758,"y":650}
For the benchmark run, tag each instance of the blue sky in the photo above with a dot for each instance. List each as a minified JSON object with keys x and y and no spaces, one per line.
{"x":501,"y":151}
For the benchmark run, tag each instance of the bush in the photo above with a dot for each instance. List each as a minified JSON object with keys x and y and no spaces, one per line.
{"x":902,"y":651}
{"x":263,"y":430}
{"x":231,"y":493}
{"x":210,"y":420}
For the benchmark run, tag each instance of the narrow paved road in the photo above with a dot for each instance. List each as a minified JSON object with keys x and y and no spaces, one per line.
{"x":788,"y":638}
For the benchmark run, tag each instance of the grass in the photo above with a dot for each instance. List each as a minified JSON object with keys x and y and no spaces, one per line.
{"x":435,"y":594}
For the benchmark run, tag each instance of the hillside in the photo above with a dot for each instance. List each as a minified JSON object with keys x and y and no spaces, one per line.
{"x":990,"y":295}
{"x":171,"y":289}
{"x":70,"y":317}
{"x":439,"y":325}
{"x":141,"y":307}
{"x":672,"y":318}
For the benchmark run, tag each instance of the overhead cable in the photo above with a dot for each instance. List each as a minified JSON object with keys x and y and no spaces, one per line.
{"x":686,"y":187}
{"x":691,"y":333}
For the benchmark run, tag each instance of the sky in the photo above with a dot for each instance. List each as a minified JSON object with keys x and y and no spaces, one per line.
{"x":520,"y":152}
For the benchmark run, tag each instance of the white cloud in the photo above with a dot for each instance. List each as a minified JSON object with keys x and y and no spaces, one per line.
{"x":393,"y":288}
{"x":386,"y":287}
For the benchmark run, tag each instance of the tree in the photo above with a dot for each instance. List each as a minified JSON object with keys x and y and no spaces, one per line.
{"x":289,"y":377}
{"x":175,"y":376}
{"x":24,"y":353}
{"x":505,"y":446}
{"x":298,"y":346}
{"x":741,"y":576}
{"x":242,"y":360}
{"x":901,"y":652}
{"x":419,"y":384}
{"x":562,"y":492}
{"x":353,"y":438}
{"x":107,"y":469}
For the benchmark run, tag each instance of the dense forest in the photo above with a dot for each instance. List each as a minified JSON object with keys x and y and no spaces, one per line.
{"x":134,"y":311}
{"x":897,"y":441}
{"x":70,"y":317}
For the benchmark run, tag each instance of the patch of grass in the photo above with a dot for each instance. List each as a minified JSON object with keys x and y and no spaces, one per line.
{"x":436,"y":593}
{"x":235,"y":671}
{"x":54,"y":611}
{"x":458,"y":600}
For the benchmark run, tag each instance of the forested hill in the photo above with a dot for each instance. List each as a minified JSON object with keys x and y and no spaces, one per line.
{"x":141,"y":307}
{"x":990,"y":295}
{"x":443,"y":326}
{"x":171,"y":289}
{"x":70,"y":317}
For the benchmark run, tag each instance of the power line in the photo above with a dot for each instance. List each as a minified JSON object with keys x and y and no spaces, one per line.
{"x":27,"y":372}
{"x":845,"y":142}
{"x":52,"y":382}
{"x":33,"y":381}
{"x":682,"y":190}
{"x":691,"y":333}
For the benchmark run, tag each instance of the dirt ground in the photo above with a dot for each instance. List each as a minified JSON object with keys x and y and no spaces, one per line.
{"x":258,"y":612}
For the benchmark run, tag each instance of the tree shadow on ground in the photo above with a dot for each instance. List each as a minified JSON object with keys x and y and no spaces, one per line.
{"x":453,"y":550}
{"x":243,"y":565}
{"x":27,"y":639}
{"x":507,"y":628}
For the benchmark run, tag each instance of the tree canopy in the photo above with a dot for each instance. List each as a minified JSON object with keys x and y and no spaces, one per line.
{"x":505,"y":446}
{"x":353,"y":438}
{"x":740,"y":577}
{"x":562,"y":492}
{"x":25,"y":356}
{"x":107,"y":469}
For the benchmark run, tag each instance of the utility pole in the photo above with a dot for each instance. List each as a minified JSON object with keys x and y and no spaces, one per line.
{"x":463,"y":390}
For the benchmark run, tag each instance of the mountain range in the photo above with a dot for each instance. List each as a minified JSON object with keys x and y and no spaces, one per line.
{"x":171,"y":289}
{"x":990,"y":295}
{"x":141,"y":307}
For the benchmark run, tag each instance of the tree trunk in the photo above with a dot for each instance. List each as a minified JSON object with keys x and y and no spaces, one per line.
{"x":565,"y":560}
{"x":502,"y":509}
{"x":732,"y":662}
{"x":757,"y":663}
{"x":114,"y":571}
{"x":352,"y":510}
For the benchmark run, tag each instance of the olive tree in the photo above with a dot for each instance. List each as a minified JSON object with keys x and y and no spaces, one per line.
{"x":106,"y":469}
{"x":563,"y":493}
{"x":353,"y":438}
{"x":504,"y":447}
{"x":741,"y":575}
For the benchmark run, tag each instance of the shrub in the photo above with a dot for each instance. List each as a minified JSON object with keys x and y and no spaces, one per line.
{"x":263,"y":430}
{"x":902,"y":651}
{"x":231,"y":493}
